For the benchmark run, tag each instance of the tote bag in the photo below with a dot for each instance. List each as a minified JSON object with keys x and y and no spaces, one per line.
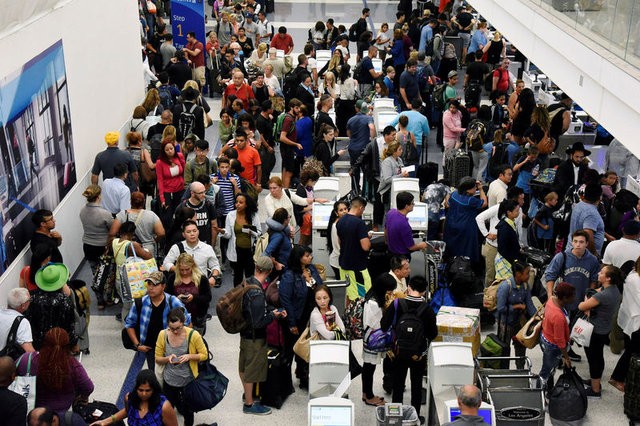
{"x":529,"y":334}
{"x":25,"y":385}
{"x":302,"y":347}
{"x":581,"y":332}
{"x":133,"y":273}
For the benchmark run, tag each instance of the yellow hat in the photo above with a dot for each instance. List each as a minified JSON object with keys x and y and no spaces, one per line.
{"x":112,"y":138}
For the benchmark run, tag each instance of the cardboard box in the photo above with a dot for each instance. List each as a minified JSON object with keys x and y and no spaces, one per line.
{"x":474,"y":340}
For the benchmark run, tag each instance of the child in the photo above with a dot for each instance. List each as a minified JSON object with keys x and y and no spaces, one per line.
{"x":544,"y":224}
{"x":528,"y":167}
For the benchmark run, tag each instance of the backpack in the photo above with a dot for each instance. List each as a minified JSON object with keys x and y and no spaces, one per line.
{"x":155,"y":146}
{"x":186,"y":121}
{"x":277,"y":129}
{"x":353,"y":319}
{"x":449,"y":51}
{"x":353,"y":36}
{"x":261,"y":246}
{"x":461,"y":277}
{"x":229,"y":309}
{"x":409,"y":330}
{"x":497,"y":159}
{"x":410,"y":154}
{"x":357,"y":70}
{"x":12,"y":348}
{"x":438,"y":96}
{"x":428,"y":50}
{"x":475,"y":135}
{"x":133,"y":128}
{"x":289,"y":85}
{"x":423,"y":79}
{"x":166,"y":100}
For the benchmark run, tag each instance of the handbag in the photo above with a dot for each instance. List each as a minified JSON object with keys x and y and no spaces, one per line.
{"x":529,"y":334}
{"x":25,"y":385}
{"x":207,"y":390}
{"x":322,"y":271}
{"x":272,"y":294}
{"x":302,"y":347}
{"x":582,"y":331}
{"x":104,"y":277}
{"x":133,"y":273}
{"x":148,"y":175}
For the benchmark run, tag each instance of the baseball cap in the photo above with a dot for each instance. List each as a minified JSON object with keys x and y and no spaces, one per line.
{"x":362,"y":106}
{"x":452,"y":74}
{"x":156,"y":278}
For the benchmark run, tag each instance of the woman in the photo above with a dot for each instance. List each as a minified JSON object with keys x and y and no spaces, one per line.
{"x":346,"y":108}
{"x":259,"y":55}
{"x":554,"y":338}
{"x":174,"y":235}
{"x":495,"y":49}
{"x":334,"y":65}
{"x":248,"y":124}
{"x":152,"y":104}
{"x":523,"y":111}
{"x":40,"y":256}
{"x":514,"y":305}
{"x":242,"y":227}
{"x":508,"y":241}
{"x":279,"y":247}
{"x":60,"y":378}
{"x":405,"y":137}
{"x":191,"y":286}
{"x":296,"y":295}
{"x":138,"y":123}
{"x":271,"y":80}
{"x":330,"y":86}
{"x":380,"y":90}
{"x":323,"y":149}
{"x":389,"y":81}
{"x":141,"y":154}
{"x":513,"y":98}
{"x":340,"y":208}
{"x":460,"y":230}
{"x":599,"y":309}
{"x":609,"y":183}
{"x":179,"y":349}
{"x":169,"y":134}
{"x":390,"y":168}
{"x":149,"y":228}
{"x":246,"y":44}
{"x":317,"y":34}
{"x":383,"y":40}
{"x":308,"y":178}
{"x":325,"y":319}
{"x":123,"y":247}
{"x":452,"y":127}
{"x":304,"y":134}
{"x":170,"y":172}
{"x":278,"y":198}
{"x":629,"y":322}
{"x":374,"y":306}
{"x":397,"y":51}
{"x":145,"y":405}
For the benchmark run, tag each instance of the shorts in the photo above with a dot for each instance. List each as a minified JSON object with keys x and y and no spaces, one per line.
{"x":288,"y":158}
{"x":466,"y":39}
{"x":253,"y":360}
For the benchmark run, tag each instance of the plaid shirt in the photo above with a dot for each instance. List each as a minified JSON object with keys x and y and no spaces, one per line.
{"x":145,"y":314}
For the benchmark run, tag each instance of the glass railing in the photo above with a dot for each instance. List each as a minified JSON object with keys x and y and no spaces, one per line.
{"x":613,"y":24}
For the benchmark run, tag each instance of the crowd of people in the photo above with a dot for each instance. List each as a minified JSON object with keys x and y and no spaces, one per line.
{"x":204,"y":211}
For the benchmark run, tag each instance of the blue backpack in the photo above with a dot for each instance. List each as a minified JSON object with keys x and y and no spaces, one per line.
{"x":165,"y":97}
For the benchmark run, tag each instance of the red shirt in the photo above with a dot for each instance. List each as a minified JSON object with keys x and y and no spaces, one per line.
{"x":244,"y":93}
{"x":283,"y":43}
{"x":503,"y":79}
{"x":198,"y":60}
{"x":170,"y":177}
{"x":555,"y":327}
{"x":249,"y":158}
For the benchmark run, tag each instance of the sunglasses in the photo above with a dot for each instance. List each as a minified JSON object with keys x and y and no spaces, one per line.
{"x":151,"y":283}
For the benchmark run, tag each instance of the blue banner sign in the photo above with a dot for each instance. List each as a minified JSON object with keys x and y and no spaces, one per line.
{"x":187,"y":16}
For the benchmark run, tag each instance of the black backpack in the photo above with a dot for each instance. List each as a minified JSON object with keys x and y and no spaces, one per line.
{"x":462,"y":280}
{"x":186,"y":121}
{"x":353,"y":36}
{"x":438,"y":96}
{"x":498,"y":158}
{"x":165,"y":97}
{"x":428,"y":50}
{"x":409,"y":329}
{"x":155,"y":146}
{"x":289,"y":85}
{"x":11,"y":347}
{"x":357,"y":71}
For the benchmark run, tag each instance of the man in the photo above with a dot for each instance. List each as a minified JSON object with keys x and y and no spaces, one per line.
{"x":253,"y":360}
{"x":623,"y":250}
{"x":178,"y":69}
{"x":477,"y":71}
{"x":498,"y":188}
{"x":368,"y":74}
{"x":188,"y":117}
{"x":342,"y":44}
{"x":239,"y":89}
{"x":288,"y":142}
{"x":283,"y":41}
{"x":195,"y":50}
{"x":426,"y":35}
{"x":400,"y":270}
{"x":370,"y":161}
{"x":560,"y":116}
{"x":358,"y":28}
{"x":264,"y":125}
{"x":354,"y":250}
{"x":264,"y":28}
{"x":12,"y":321}
{"x":501,"y":77}
{"x":360,"y":130}
{"x":200,"y":165}
{"x":115,"y":193}
{"x":206,"y":218}
{"x":251,"y":28}
{"x":400,"y":17}
{"x":157,"y":129}
{"x":312,"y":64}
{"x":13,"y":406}
{"x":279,"y":68}
{"x":44,"y":416}
{"x":250,"y":160}
{"x":478,"y":40}
{"x":578,"y":267}
{"x":106,"y":161}
{"x":465,"y":22}
{"x":397,"y":230}
{"x":469,"y":401}
{"x":585,"y":216}
{"x":44,"y":233}
{"x":331,"y":33}
{"x":202,"y":253}
{"x":167,"y":50}
{"x":228,"y":66}
{"x":304,"y":92}
{"x":490,"y":246}
{"x":149,"y":316}
{"x":571,"y":171}
{"x":418,"y":123}
{"x":411,"y":354}
{"x":409,"y":86}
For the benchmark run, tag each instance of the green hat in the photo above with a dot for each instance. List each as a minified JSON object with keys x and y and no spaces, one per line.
{"x":52,"y":277}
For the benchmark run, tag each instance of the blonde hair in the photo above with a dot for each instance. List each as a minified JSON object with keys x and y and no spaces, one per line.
{"x":334,"y":62}
{"x":92,"y":193}
{"x":187,"y":260}
{"x":540,"y":116}
{"x":550,"y":196}
{"x":169,"y":133}
{"x":413,"y":55}
{"x":192,"y":84}
{"x":262,"y":47}
{"x":391,"y":148}
{"x":331,"y":77}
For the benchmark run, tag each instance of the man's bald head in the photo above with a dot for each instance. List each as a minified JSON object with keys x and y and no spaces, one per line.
{"x":196,"y":187}
{"x":470,"y":396}
{"x":41,"y":416}
{"x":7,"y":371}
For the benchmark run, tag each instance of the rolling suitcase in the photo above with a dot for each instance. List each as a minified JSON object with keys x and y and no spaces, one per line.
{"x":632,"y":390}
{"x":427,"y":174}
{"x":279,"y":384}
{"x":457,"y":166}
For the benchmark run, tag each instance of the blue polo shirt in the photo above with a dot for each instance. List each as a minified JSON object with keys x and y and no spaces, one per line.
{"x":358,"y":125}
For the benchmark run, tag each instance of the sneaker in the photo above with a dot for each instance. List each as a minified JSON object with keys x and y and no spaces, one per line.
{"x":593,"y":395}
{"x":422,"y":420}
{"x":257,"y":409}
{"x":574,"y":356}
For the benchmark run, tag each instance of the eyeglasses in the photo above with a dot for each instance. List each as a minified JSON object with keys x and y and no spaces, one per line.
{"x":199,"y":193}
{"x":176,"y":329}
{"x":152,"y":284}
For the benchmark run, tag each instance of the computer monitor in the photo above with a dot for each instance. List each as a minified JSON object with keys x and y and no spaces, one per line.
{"x":331,"y":411}
{"x":418,"y":218}
{"x":321,"y":215}
{"x":486,"y":411}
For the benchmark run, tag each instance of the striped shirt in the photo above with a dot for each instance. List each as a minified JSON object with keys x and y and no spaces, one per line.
{"x":227,"y":191}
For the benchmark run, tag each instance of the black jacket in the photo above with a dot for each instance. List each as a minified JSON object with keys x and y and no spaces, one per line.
{"x":565,"y":177}
{"x":508,"y":242}
{"x":369,"y":160}
{"x":322,"y":153}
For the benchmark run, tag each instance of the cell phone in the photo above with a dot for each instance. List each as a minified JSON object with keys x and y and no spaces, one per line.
{"x":280,"y":309}
{"x":184,"y":296}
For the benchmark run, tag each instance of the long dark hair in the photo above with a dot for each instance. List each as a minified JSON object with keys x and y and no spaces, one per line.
{"x":146,"y":377}
{"x":295,"y":258}
{"x":332,"y":221}
{"x":381,"y":285}
{"x":252,"y":207}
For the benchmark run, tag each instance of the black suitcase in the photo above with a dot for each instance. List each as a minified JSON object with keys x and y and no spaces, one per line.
{"x":427,"y":174}
{"x":632,"y":390}
{"x":89,"y":411}
{"x":279,"y":385}
{"x":457,"y":165}
{"x":539,"y":259}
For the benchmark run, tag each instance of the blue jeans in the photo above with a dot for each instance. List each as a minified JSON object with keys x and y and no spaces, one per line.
{"x":551,"y":354}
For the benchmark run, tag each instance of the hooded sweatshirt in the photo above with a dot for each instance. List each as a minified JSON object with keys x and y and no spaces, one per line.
{"x":279,"y":246}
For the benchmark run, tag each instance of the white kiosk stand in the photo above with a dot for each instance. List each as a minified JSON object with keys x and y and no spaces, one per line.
{"x":319,"y":222}
{"x":328,"y":367}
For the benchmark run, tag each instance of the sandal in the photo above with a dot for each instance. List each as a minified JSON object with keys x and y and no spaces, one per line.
{"x":376,"y":401}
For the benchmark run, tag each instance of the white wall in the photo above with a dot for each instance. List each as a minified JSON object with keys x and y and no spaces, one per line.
{"x":601,"y":83}
{"x":101,"y":42}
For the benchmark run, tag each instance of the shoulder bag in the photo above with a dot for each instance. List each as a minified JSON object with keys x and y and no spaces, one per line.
{"x":302,"y":347}
{"x":25,"y":385}
{"x":529,"y":334}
